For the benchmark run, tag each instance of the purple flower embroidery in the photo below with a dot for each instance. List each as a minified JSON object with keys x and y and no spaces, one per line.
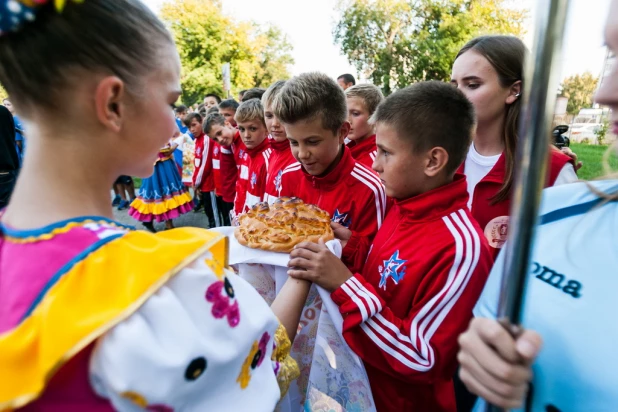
{"x":224,"y":304}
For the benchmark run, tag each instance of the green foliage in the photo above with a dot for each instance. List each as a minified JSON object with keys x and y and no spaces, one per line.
{"x":602,"y":132}
{"x":3,"y":93}
{"x":206,"y":39}
{"x":592,"y":158}
{"x":399,"y":42}
{"x":579,"y":89}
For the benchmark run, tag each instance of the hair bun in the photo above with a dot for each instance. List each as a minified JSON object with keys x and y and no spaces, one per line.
{"x":15,"y":13}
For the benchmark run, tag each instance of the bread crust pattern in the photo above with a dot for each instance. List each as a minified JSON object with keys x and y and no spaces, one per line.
{"x":284,"y":224}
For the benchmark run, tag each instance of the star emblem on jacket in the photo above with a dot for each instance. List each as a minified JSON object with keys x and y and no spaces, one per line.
{"x":341,"y":218}
{"x":253,"y":180}
{"x":393,"y":268}
{"x":277,"y":181}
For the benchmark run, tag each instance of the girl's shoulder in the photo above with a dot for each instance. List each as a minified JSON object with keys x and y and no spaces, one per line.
{"x":560,"y":202}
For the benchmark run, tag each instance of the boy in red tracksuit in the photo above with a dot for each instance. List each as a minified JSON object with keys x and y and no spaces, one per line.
{"x":362,"y":101}
{"x":203,"y":177}
{"x":251,"y":181}
{"x":312,"y":108}
{"x":216,"y":170}
{"x":402,"y":314}
{"x":281,"y":156}
{"x":232,"y":151}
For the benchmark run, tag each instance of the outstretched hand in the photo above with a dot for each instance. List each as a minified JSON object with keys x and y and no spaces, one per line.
{"x":315,"y":263}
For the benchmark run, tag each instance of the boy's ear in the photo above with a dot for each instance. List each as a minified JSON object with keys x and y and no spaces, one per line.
{"x":435,"y":161}
{"x":344,"y":130}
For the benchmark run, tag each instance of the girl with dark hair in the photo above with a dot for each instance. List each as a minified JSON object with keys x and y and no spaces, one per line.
{"x":489,"y":71}
{"x":9,"y":161}
{"x":96,"y":316}
{"x":569,"y":303}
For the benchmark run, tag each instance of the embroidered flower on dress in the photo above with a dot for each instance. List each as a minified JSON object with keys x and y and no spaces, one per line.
{"x":224,"y":304}
{"x":253,"y":360}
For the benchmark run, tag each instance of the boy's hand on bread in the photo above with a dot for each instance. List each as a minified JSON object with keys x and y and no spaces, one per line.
{"x":342,"y":233}
{"x":315,"y":263}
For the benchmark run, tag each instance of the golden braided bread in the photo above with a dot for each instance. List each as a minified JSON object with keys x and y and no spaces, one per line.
{"x":282,"y":225}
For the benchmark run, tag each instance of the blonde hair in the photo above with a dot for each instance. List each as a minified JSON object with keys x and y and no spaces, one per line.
{"x":250,"y":110}
{"x":311,"y":96}
{"x":271,"y":92}
{"x":609,"y":174}
{"x":370,"y":94}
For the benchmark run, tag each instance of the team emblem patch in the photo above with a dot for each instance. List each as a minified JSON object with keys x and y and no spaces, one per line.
{"x":253,"y":180}
{"x":393,"y":268}
{"x":277,"y":181}
{"x":341,"y":218}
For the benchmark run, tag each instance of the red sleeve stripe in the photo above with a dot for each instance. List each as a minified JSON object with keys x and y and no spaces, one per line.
{"x":266,"y":153}
{"x":370,"y":175}
{"x":415,"y":351}
{"x":373,"y":183}
{"x":371,"y":298}
{"x":292,"y":167}
{"x":373,"y":155}
{"x":361,"y":306}
{"x":367,"y":302}
{"x":200,"y":174}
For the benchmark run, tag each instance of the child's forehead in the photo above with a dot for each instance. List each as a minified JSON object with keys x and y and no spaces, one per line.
{"x":252,"y":122}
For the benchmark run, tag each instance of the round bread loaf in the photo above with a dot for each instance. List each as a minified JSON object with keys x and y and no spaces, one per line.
{"x":282,"y":225}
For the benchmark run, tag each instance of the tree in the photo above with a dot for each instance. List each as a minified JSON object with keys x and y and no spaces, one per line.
{"x":399,"y":42}
{"x":273,"y":54}
{"x":579,"y":89}
{"x":3,"y":93}
{"x":206,"y":39}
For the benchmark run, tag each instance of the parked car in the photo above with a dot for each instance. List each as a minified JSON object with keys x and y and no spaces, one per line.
{"x":579,"y":132}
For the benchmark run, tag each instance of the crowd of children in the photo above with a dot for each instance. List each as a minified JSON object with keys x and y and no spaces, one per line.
{"x":417,"y":184}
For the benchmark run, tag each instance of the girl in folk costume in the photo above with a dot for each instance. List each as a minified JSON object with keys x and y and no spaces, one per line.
{"x":162,"y":196}
{"x":489,"y":71}
{"x":569,"y":303}
{"x":95,"y":316}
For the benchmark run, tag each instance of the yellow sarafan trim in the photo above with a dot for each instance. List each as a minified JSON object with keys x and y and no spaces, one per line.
{"x":164,"y":206}
{"x":96,"y":294}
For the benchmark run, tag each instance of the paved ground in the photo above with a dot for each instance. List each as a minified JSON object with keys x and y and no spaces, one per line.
{"x":190,"y":219}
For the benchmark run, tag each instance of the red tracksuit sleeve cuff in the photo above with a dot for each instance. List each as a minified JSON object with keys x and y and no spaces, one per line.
{"x":350,"y":248}
{"x":357,"y":296}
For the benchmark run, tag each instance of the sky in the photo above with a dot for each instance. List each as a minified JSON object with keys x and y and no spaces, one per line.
{"x":309,"y":25}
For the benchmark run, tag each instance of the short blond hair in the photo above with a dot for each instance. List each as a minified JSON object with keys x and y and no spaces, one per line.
{"x":271,"y":92}
{"x":250,"y":110}
{"x":310,"y":96}
{"x":370,"y":94}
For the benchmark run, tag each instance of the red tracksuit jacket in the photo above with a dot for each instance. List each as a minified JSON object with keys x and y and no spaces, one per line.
{"x":364,"y":152}
{"x":353,"y":196}
{"x":252,"y":177}
{"x":216,"y":167}
{"x":403,"y":313}
{"x":231,"y":157}
{"x":280,"y":158}
{"x":494,"y":218}
{"x":203,"y":177}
